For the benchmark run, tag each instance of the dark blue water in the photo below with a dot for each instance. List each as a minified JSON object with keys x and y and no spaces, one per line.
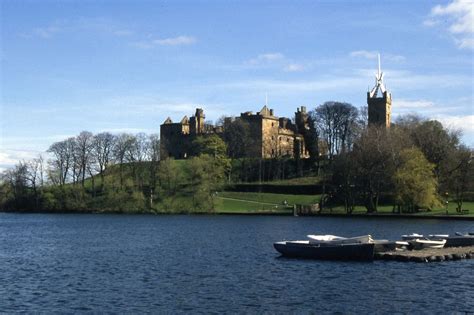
{"x":118,"y":263}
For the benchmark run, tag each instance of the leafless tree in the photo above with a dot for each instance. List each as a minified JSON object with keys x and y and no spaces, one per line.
{"x":120,"y":149}
{"x":336,"y":123}
{"x":62,"y":162}
{"x":84,"y":145}
{"x":103,"y":144}
{"x":137,"y":150}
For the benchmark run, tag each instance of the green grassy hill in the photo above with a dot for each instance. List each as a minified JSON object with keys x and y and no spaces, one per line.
{"x":128,"y":188}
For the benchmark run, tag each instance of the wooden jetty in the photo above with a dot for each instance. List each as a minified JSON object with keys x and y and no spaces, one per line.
{"x":428,"y":254}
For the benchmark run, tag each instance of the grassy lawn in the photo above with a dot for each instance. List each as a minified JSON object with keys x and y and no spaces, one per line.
{"x":223,"y":205}
{"x":275,"y":199}
{"x":229,"y":202}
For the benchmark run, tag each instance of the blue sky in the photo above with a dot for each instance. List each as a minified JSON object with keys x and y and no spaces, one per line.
{"x":124,"y":66}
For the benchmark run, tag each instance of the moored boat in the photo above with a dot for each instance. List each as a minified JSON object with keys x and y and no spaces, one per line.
{"x":457,"y":240}
{"x":333,"y":239}
{"x":380,"y":245}
{"x":421,"y":243}
{"x":412,"y":236}
{"x":341,"y":251}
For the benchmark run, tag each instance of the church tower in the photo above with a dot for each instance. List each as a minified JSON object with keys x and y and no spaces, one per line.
{"x":379,"y":108}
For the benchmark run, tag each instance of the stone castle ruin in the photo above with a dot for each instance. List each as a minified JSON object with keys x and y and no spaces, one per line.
{"x":272,"y":136}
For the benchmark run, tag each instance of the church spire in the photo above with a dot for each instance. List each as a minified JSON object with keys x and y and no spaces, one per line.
{"x":379,"y":107}
{"x":379,"y":85}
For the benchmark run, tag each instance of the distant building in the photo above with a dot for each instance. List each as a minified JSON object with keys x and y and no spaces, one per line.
{"x":271,"y":136}
{"x":379,"y":107}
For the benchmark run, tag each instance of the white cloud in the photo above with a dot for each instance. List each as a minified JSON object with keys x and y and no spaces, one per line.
{"x":403,"y":80}
{"x":266,"y":58}
{"x":357,"y":79}
{"x":275,"y":59}
{"x":175,"y":41}
{"x":89,"y":25}
{"x":287,"y":86}
{"x":9,"y":158}
{"x":412,"y":104}
{"x":294,"y":67}
{"x":430,"y":22}
{"x":464,"y":123}
{"x":364,"y":54}
{"x":271,"y":56}
{"x":465,"y":42}
{"x":459,"y":15}
{"x":372,"y":55}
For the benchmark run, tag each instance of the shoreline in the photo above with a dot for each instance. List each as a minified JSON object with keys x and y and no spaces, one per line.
{"x":338,"y":215}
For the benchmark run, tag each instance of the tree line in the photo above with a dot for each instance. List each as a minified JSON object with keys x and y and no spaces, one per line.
{"x":416,"y":164}
{"x":106,"y":172}
{"x":413,"y":164}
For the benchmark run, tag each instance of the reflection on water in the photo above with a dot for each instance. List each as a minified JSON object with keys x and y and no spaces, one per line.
{"x":118,"y":263}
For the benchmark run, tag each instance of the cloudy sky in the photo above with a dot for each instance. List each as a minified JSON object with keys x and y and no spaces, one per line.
{"x":124,"y":66}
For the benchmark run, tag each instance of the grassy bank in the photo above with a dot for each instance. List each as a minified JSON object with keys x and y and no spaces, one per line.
{"x":244,"y":202}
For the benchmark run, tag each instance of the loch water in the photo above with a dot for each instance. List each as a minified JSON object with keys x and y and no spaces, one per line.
{"x":69,"y":263}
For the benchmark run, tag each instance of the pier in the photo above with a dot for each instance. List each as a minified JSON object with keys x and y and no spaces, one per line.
{"x":428,"y":254}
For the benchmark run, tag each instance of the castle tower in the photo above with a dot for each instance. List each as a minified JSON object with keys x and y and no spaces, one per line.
{"x":196,"y":122}
{"x":379,"y":108}
{"x":301,"y":120}
{"x":171,"y":138}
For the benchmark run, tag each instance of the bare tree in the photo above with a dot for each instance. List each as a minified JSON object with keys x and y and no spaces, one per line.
{"x":137,"y":150}
{"x":71,"y":144}
{"x":120,"y":149}
{"x":34,"y":176}
{"x":84,"y":145}
{"x":103,"y":144}
{"x":62,"y":162}
{"x":336,"y":123}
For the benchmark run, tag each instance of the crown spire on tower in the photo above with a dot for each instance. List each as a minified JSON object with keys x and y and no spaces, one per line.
{"x":379,"y":85}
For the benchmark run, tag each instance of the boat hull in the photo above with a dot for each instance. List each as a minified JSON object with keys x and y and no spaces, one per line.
{"x":362,"y":252}
{"x":459,"y":241}
{"x":421,"y":244}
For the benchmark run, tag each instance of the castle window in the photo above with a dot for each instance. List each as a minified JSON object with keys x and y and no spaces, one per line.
{"x":273,"y":124}
{"x":287,"y":139}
